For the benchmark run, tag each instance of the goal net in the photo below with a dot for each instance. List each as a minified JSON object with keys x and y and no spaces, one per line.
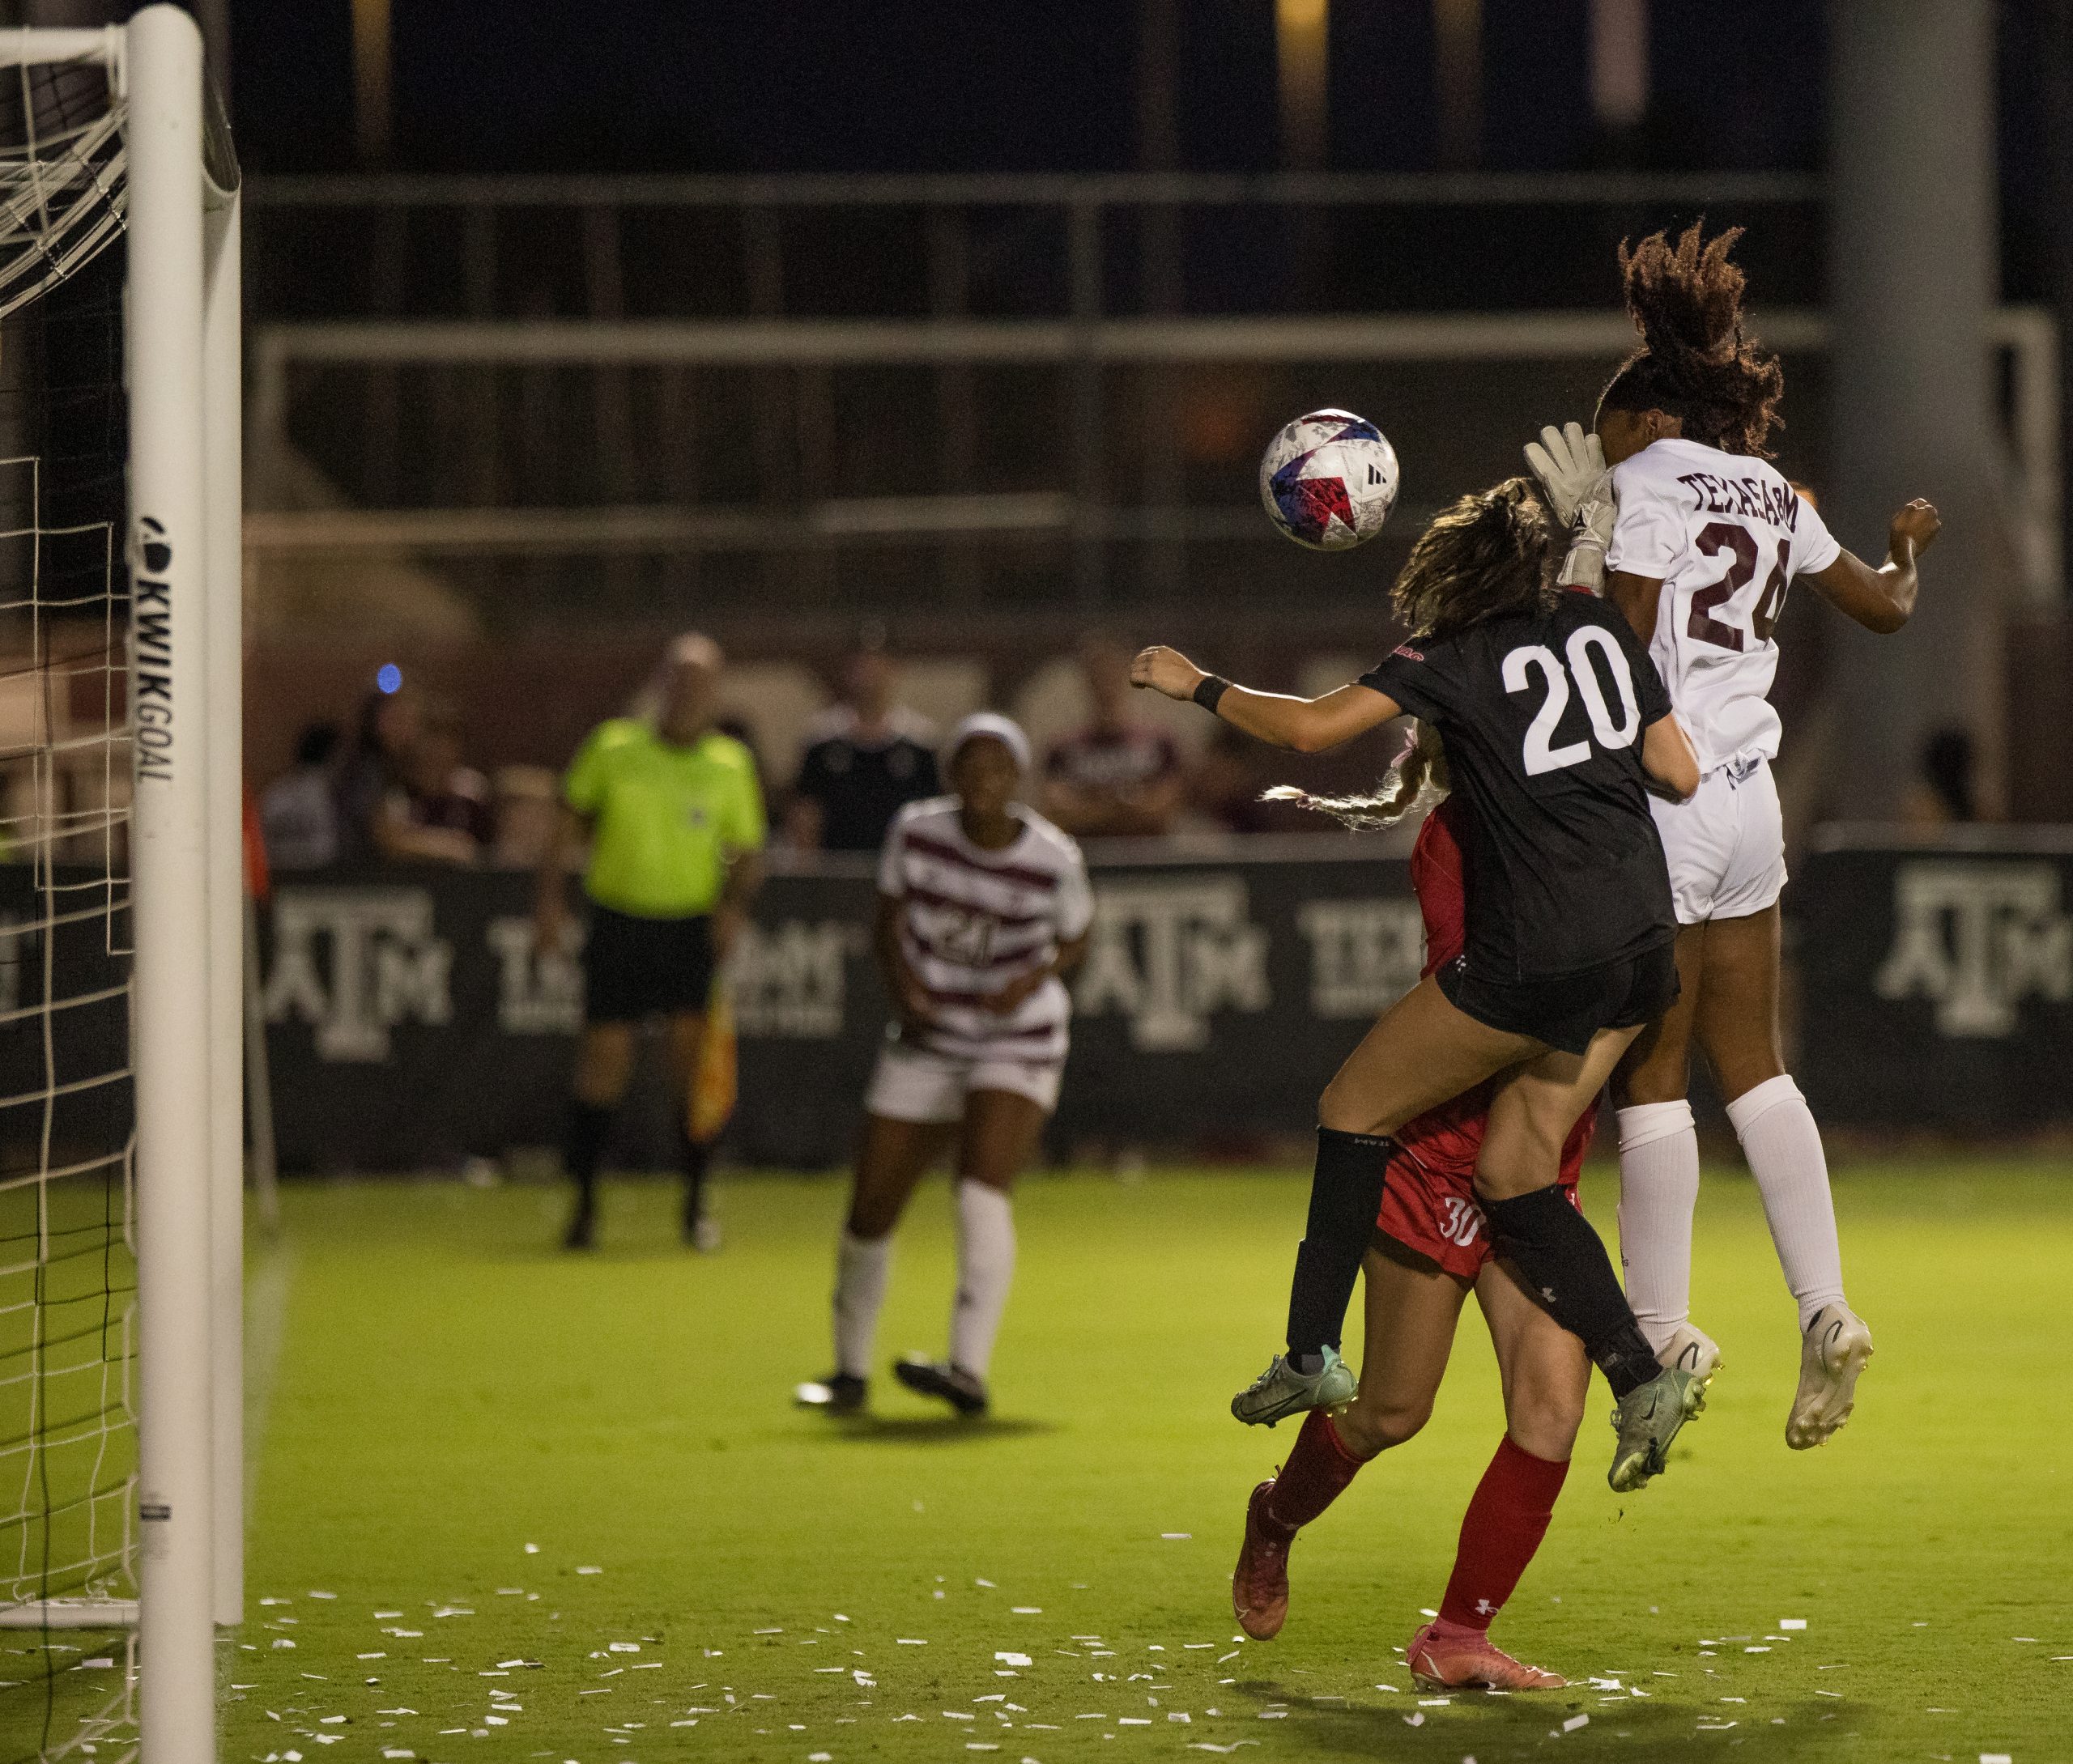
{"x":118,"y":778}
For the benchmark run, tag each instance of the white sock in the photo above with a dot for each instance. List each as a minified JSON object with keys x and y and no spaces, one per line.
{"x":1658,"y":1193}
{"x":862,"y":1265}
{"x":985,"y":1266}
{"x":1783,"y":1146}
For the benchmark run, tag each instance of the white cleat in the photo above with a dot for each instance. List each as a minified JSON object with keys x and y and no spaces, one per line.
{"x":1689,"y":1350}
{"x":1832,"y":1355}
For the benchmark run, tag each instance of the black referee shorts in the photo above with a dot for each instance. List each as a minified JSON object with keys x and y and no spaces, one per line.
{"x":635,"y":967}
{"x":1566,"y":1012}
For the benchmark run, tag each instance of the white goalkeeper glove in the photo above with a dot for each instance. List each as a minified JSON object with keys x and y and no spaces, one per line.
{"x":1571,"y":467}
{"x":1568,"y":464}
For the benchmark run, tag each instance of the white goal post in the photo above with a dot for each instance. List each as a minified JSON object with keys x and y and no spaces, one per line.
{"x":177,"y":200}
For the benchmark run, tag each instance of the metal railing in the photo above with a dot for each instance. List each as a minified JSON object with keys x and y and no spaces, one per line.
{"x":538,"y":319}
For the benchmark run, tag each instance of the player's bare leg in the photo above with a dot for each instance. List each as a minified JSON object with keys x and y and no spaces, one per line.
{"x":1421,"y":1052}
{"x":1659,"y":1165}
{"x":686,"y":1048}
{"x":1547,"y":1377}
{"x":604,"y":1068}
{"x":1411,"y":1311}
{"x":891,"y":1157}
{"x":1563,"y":1262}
{"x":999,"y":1137}
{"x":1738,"y":1028}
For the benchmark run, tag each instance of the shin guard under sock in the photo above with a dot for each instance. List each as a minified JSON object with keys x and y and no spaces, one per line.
{"x":1346,"y":1195}
{"x":1318,"y":1470}
{"x":1502,"y":1528}
{"x":1565,"y":1266}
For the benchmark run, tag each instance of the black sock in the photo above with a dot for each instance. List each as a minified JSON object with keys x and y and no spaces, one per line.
{"x":1346,"y":1195}
{"x":1564,"y":1265}
{"x":693,"y":1155}
{"x":583,"y":1144}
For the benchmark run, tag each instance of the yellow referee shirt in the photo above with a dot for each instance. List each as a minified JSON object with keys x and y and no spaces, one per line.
{"x":666,"y":819}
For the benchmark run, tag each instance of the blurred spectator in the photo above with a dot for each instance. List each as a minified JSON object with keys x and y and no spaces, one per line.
{"x":377,"y":766}
{"x":866,"y":758}
{"x":1943,"y":793}
{"x":1118,"y":775}
{"x":299,"y":810}
{"x":441,"y":813}
{"x":525,"y":810}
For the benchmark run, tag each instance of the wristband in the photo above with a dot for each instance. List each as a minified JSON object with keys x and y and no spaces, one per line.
{"x":1208,"y":689}
{"x":1584,"y":566}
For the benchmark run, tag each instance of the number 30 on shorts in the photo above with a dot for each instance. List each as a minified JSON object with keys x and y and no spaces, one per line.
{"x":1541,"y":754}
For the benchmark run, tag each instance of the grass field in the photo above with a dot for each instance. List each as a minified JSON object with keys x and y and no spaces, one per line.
{"x":509,"y":1504}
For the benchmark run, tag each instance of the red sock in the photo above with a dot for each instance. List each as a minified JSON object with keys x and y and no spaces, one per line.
{"x":1503,"y":1527}
{"x":1317,"y":1470}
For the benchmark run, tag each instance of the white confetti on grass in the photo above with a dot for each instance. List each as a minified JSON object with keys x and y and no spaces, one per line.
{"x":1175,"y":1536}
{"x":589,"y":1570}
{"x":1574,"y":1722}
{"x":1792,"y":1622}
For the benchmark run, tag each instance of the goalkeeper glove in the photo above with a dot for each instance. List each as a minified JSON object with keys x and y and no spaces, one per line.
{"x":1571,"y":467}
{"x":1568,"y":464}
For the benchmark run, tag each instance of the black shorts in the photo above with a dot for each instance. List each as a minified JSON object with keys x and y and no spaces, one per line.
{"x":1566,"y":1012}
{"x":635,"y":967}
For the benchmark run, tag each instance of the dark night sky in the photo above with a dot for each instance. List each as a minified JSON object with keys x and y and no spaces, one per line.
{"x":787,"y":86}
{"x":927,"y":85}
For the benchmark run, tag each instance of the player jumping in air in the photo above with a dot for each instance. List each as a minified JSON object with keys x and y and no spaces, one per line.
{"x":1430,"y":1250}
{"x":982,"y":906}
{"x":1708,"y":539}
{"x":1554,"y":721}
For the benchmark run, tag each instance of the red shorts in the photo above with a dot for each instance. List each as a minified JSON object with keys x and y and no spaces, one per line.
{"x":1431,"y":1207}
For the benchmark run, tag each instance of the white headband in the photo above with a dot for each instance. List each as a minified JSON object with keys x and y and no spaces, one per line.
{"x":1002,"y":730}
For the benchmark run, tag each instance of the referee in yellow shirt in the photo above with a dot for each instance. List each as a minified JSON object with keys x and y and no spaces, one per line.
{"x":673,"y":816}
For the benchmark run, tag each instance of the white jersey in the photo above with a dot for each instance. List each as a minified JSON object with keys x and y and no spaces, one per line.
{"x":1725,"y":534}
{"x":973,"y":921}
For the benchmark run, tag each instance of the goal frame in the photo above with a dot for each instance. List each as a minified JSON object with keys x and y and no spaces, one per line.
{"x":182,"y":363}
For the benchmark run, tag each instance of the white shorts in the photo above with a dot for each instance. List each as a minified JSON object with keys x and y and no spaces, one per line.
{"x":1726,"y":845}
{"x":912,"y":1084}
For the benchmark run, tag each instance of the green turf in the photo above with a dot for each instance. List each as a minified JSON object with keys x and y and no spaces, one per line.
{"x":462,"y":1422}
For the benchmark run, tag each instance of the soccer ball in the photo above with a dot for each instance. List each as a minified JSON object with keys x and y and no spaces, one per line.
{"x":1328,"y":480}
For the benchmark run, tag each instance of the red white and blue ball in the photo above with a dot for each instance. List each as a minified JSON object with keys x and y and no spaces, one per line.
{"x":1328,"y":480}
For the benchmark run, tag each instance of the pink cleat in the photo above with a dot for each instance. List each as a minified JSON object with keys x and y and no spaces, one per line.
{"x":1467,"y":1660}
{"x":1259,"y":1585}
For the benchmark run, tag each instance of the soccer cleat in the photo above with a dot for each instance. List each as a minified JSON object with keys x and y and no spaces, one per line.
{"x":1259,"y":1584}
{"x":704,"y":1234}
{"x":1647,"y":1420}
{"x":1470,"y":1662}
{"x":1281,"y":1391}
{"x":1832,"y":1353}
{"x":836,"y":1394}
{"x":1691,"y":1350}
{"x":962,"y":1390}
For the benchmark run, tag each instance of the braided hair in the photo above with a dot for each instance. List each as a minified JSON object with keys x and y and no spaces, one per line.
{"x":1694,"y":362}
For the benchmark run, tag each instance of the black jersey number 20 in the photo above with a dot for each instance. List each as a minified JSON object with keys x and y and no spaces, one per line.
{"x":1719,"y":536}
{"x":1541,"y":754}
